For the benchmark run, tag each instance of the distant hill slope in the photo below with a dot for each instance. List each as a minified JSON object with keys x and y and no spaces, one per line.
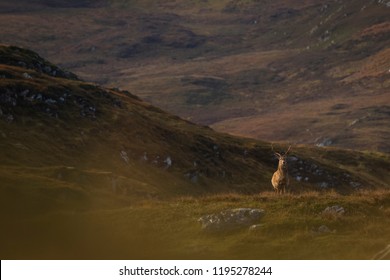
{"x":28,"y":5}
{"x":235,"y":65}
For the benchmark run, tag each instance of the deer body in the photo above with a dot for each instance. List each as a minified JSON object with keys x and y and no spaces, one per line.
{"x":280,"y":180}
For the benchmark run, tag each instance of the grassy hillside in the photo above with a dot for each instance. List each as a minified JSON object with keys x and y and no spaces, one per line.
{"x":72,"y":151}
{"x":291,"y":229}
{"x":235,"y":65}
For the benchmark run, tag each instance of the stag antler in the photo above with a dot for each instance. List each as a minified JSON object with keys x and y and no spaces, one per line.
{"x":277,"y":154}
{"x":288,"y":150}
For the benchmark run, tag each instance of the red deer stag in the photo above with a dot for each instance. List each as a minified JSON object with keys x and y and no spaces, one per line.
{"x":280,"y":179}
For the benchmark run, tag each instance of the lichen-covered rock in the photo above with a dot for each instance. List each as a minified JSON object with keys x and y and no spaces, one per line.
{"x":334,"y":211}
{"x":231,"y":219}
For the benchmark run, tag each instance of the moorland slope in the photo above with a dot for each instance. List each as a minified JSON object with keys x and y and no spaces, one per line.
{"x":314,"y":72}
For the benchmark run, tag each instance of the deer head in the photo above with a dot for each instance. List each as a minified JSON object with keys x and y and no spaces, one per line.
{"x":282,"y":158}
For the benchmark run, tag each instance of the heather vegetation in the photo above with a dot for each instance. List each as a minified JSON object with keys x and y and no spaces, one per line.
{"x":234,"y":65}
{"x":92,"y":171}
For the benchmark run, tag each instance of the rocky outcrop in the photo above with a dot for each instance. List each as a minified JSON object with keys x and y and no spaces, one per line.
{"x":15,"y":56}
{"x":231,"y":219}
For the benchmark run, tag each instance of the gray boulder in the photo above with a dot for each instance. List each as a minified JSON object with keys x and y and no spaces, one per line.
{"x":323,"y":229}
{"x":334,"y":210}
{"x":231,"y":219}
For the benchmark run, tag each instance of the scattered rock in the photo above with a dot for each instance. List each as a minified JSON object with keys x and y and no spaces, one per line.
{"x":10,"y":118}
{"x":47,"y":69}
{"x":156,"y":160}
{"x":26,"y":76}
{"x":323,"y":229}
{"x":323,"y":185}
{"x":324,"y":143}
{"x":384,"y":2}
{"x":195,"y":179}
{"x":293,"y":159}
{"x":325,"y":36}
{"x":193,"y":176}
{"x":354,"y":122}
{"x":86,"y":108}
{"x":255,"y":227}
{"x":22,"y":64}
{"x":334,"y":211}
{"x":231,"y":219}
{"x":145,"y":156}
{"x":24,"y":93}
{"x":168,"y":162}
{"x":124,"y":156}
{"x":305,"y":171}
{"x":355,"y":185}
{"x":50,"y":101}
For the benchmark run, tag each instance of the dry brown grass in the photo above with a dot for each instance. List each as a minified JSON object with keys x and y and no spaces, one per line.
{"x":169,"y":229}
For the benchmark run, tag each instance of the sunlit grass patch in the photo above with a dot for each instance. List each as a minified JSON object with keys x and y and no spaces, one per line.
{"x":169,"y":229}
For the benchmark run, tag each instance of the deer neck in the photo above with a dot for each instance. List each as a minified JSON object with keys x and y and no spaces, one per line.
{"x":282,"y":169}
